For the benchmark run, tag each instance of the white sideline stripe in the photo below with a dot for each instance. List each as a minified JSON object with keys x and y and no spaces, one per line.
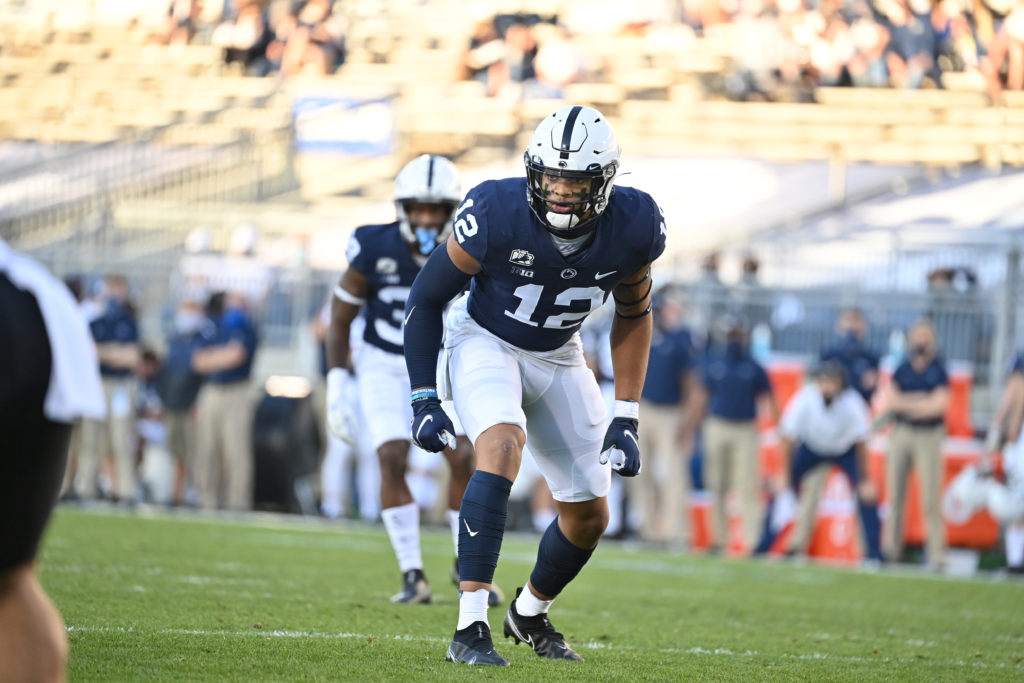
{"x":254,"y":632}
{"x":592,"y":645}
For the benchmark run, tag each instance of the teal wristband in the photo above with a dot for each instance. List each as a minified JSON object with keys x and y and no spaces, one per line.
{"x":423,"y":393}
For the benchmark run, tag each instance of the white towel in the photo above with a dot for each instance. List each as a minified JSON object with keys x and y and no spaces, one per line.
{"x":75,"y":389}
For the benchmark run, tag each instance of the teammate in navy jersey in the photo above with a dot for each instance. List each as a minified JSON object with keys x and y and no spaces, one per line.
{"x":383,"y":262}
{"x":542,"y":252}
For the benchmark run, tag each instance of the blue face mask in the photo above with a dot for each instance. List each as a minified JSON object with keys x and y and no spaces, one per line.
{"x":233,"y":317}
{"x":426,"y":239}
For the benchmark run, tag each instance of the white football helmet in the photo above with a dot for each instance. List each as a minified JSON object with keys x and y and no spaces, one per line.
{"x":427,"y":179}
{"x":576,"y":143}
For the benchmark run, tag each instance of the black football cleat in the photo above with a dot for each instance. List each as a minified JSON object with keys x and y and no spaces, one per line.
{"x":538,"y":633}
{"x":415,"y":589}
{"x":494,"y":597}
{"x":473,"y":645}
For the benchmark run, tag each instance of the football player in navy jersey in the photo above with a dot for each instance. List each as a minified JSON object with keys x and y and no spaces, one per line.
{"x":541,"y":253}
{"x":383,"y":262}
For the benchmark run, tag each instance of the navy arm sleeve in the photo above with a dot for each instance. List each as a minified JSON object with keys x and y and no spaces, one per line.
{"x":437,"y":283}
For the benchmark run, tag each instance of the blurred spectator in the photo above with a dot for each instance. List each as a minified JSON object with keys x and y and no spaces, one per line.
{"x":867,"y":66}
{"x":245,"y":36}
{"x":310,"y":40}
{"x":849,"y":350}
{"x":735,"y":387}
{"x":150,"y":448}
{"x":826,"y":424}
{"x":116,"y":335}
{"x":918,"y":399}
{"x":912,"y":43}
{"x":178,"y":387}
{"x":517,"y":63}
{"x":485,"y":48}
{"x":669,"y":408}
{"x":751,"y":299}
{"x":956,"y":313}
{"x":242,"y":271}
{"x":182,"y":21}
{"x":558,"y":63}
{"x":88,"y":312}
{"x":709,"y":295}
{"x":225,"y":408}
{"x":1004,"y":66}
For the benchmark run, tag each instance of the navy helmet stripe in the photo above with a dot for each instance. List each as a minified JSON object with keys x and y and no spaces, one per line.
{"x":430,"y":173}
{"x":570,"y":123}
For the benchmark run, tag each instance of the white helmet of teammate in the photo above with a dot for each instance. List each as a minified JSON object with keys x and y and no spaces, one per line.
{"x":427,"y":179}
{"x":578,"y":144}
{"x":966,"y":494}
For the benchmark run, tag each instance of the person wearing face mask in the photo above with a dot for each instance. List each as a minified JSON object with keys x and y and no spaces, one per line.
{"x":224,"y":409}
{"x":917,"y":402}
{"x":851,"y":352}
{"x":178,"y":387}
{"x":668,"y":405}
{"x":826,"y":424}
{"x":116,"y":335}
{"x":735,"y":387}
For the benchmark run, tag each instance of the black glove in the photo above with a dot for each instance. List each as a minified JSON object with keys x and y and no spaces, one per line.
{"x":621,"y":447}
{"x":432,"y":429}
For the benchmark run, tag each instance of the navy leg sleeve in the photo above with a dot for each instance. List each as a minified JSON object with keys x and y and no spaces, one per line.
{"x":558,"y":562}
{"x":482,"y":525}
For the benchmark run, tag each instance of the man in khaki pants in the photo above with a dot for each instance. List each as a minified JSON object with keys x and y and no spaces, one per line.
{"x":735,"y":386}
{"x":918,"y":400}
{"x":669,"y":409}
{"x":117,"y":346}
{"x":224,"y":412}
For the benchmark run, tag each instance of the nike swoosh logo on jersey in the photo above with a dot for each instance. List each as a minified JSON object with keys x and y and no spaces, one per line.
{"x":423,"y":424}
{"x":601,"y":276}
{"x":408,"y":316}
{"x":470,"y":531}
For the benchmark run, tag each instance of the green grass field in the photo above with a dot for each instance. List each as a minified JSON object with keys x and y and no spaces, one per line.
{"x":152,"y":596}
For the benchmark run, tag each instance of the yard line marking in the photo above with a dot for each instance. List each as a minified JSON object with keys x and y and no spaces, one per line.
{"x":591,"y":645}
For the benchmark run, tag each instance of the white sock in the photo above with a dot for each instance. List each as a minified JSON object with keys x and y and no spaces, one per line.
{"x":472,"y":608}
{"x":403,"y":525}
{"x":453,"y":522}
{"x":1014,"y":537}
{"x":529,"y":605}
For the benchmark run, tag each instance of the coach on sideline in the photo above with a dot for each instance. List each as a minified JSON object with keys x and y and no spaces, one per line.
{"x":50,"y":378}
{"x":826,"y":424}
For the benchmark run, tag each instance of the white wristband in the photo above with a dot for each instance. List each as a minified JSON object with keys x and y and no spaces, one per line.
{"x":627,"y":409}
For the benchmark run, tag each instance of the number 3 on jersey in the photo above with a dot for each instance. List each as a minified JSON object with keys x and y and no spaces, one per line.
{"x":530,"y":297}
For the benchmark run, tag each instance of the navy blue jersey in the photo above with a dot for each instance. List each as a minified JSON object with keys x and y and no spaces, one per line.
{"x":734,"y":380}
{"x":858,"y":363}
{"x":909,"y":380}
{"x":380,"y":254}
{"x":1017,"y":364}
{"x":116,"y":325}
{"x":672,"y":356}
{"x":527,"y":292}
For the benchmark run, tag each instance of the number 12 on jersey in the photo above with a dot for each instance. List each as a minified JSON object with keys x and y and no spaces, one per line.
{"x":530,"y":297}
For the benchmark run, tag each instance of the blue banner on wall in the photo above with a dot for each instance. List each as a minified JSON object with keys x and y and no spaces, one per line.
{"x":344,"y":125}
